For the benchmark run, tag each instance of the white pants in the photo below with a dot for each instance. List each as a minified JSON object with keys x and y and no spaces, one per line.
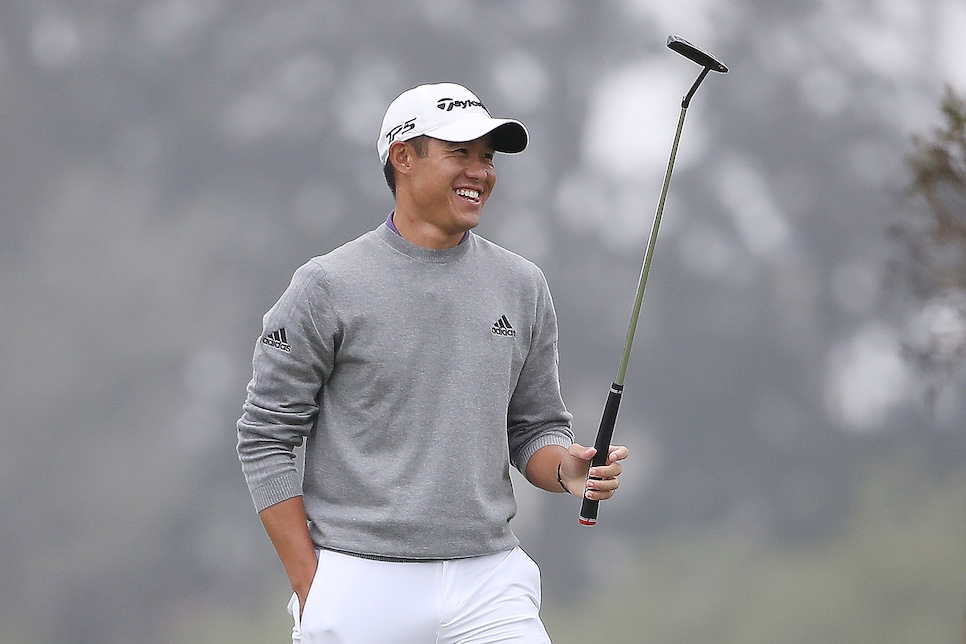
{"x":494,"y":599}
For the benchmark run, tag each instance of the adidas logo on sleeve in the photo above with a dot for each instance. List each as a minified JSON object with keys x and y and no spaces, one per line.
{"x":502,"y":327}
{"x":278,"y":340}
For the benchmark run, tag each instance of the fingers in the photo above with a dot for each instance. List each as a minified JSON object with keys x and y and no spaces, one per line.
{"x":599,"y":489}
{"x":602,"y":481}
{"x":617,"y":453}
{"x":606,"y":472}
{"x":599,"y":482}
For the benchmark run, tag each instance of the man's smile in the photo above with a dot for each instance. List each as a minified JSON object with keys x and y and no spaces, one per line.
{"x":469,"y":193}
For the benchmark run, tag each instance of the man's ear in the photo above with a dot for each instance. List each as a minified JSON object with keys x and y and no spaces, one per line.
{"x":401,"y":155}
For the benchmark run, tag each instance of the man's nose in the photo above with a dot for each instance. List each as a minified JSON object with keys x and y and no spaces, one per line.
{"x":478,"y":167}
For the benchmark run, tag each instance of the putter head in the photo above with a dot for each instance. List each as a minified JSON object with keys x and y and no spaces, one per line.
{"x":691,"y":52}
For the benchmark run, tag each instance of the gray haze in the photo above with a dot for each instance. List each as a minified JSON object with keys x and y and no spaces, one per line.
{"x":165,"y":165}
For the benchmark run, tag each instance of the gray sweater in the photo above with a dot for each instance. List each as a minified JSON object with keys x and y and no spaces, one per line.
{"x":415,"y":377}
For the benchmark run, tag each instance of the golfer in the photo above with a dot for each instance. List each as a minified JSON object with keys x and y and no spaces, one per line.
{"x":417,"y":363}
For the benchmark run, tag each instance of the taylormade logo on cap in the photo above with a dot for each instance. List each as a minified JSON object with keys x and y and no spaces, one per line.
{"x":447,"y":104}
{"x":448,"y":112}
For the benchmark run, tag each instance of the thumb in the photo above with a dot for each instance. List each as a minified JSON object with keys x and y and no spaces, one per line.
{"x":577,"y":463}
{"x":581,"y":452}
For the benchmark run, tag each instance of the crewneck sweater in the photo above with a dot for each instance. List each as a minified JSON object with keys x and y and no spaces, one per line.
{"x":415,"y":378}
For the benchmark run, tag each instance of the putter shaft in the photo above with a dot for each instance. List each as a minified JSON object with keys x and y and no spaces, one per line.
{"x":589,"y":507}
{"x":605,"y":433}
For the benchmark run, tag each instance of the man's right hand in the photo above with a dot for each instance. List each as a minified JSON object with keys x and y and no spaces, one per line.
{"x":287,"y":527}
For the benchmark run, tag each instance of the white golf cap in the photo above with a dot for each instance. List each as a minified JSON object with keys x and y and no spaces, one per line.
{"x":448,"y":112}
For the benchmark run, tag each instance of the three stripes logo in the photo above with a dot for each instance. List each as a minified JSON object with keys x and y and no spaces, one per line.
{"x":278,"y":340}
{"x":502,"y":327}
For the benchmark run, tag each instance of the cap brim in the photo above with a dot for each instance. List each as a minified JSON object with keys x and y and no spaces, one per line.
{"x":506,"y":135}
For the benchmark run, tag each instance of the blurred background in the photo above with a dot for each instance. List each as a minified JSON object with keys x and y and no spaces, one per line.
{"x":795,"y":399}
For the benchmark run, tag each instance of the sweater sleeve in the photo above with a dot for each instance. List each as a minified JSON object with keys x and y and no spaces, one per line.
{"x":291,"y":362}
{"x":537,"y":416}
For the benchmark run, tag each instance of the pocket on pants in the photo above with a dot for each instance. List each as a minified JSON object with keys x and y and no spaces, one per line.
{"x":530,"y":570}
{"x":295,"y":610}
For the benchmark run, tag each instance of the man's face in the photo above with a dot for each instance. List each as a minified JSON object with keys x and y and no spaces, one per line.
{"x":451,"y":182}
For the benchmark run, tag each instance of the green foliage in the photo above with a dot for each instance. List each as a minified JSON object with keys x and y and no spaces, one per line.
{"x":931,"y":264}
{"x":939,"y":173}
{"x":938,"y":168}
{"x":896,"y":574}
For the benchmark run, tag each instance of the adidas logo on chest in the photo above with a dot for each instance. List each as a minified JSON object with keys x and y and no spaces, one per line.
{"x":502,"y":327}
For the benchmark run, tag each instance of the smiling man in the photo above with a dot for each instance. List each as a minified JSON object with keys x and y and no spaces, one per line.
{"x":420,"y":363}
{"x":445,"y":187}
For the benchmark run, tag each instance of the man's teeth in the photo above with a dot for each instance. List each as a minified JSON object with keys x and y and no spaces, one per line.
{"x":470,"y":194}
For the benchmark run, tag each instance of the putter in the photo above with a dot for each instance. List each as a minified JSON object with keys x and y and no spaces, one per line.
{"x":588,"y":508}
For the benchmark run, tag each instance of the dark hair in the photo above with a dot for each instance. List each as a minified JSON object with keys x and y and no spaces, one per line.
{"x":420,"y":145}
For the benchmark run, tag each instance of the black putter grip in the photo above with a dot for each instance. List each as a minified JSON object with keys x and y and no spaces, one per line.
{"x":588,"y":507}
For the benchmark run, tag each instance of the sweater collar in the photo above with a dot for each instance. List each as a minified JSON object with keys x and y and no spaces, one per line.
{"x":388,"y":234}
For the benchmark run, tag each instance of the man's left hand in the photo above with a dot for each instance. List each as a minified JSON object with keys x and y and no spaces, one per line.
{"x":596,"y":483}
